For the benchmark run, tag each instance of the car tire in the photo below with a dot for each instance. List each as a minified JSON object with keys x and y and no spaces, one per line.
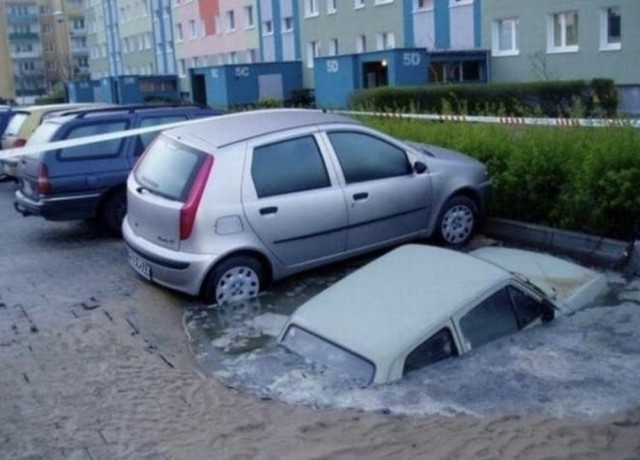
{"x":113,"y":212}
{"x":232,"y":280}
{"x":457,"y":221}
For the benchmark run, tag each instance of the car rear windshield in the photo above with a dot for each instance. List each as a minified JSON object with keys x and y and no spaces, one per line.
{"x":17,"y":120}
{"x":44,"y":133}
{"x":317,"y":349}
{"x":168,"y":168}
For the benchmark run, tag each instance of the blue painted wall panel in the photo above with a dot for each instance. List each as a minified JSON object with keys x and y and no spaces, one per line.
{"x":477,"y":23}
{"x":336,"y":78}
{"x":443,"y":29}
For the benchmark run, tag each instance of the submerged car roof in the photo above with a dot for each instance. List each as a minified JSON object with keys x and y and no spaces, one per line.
{"x":397,"y":299}
{"x":229,"y":129}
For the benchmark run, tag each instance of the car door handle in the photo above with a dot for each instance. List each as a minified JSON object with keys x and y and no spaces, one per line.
{"x":361,"y":196}
{"x":269,"y":210}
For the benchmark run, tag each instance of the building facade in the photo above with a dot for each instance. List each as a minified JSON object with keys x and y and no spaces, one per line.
{"x":214,"y":32}
{"x":42,"y":44}
{"x":565,"y":39}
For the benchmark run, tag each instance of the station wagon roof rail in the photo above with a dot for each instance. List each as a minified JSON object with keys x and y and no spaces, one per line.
{"x":82,"y":112}
{"x":239,"y":127}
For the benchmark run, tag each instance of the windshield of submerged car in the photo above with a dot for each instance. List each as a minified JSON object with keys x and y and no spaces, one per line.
{"x":317,"y":349}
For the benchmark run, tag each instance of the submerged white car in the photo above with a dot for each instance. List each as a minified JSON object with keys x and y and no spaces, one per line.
{"x":417,"y":305}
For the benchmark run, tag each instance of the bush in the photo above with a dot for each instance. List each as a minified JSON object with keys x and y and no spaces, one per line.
{"x":552,"y":99}
{"x":583,"y":179}
{"x":56,"y":99}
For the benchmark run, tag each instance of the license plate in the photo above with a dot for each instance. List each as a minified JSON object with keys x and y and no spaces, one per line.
{"x":139,"y":265}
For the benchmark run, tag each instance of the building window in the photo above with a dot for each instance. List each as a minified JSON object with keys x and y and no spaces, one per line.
{"x":610,"y":29}
{"x":504,"y":37}
{"x":386,"y":40}
{"x":357,"y":4}
{"x":218,"y":24}
{"x":333,"y":47}
{"x":562,"y":32}
{"x":252,"y":56}
{"x":179,"y":35}
{"x":382,"y":2}
{"x":313,"y":51}
{"x":248,"y":17}
{"x":147,"y":41}
{"x":267,"y":27}
{"x":422,"y":5}
{"x":331,"y":6}
{"x":192,"y":29}
{"x":231,"y":21}
{"x":311,"y":8}
{"x":361,"y":44}
{"x":287,"y":24}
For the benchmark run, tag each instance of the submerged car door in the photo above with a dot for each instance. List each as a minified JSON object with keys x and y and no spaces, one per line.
{"x":292,"y":198}
{"x":386,"y":198}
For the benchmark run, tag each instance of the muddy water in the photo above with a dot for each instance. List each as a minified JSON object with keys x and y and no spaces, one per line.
{"x":584,"y":365}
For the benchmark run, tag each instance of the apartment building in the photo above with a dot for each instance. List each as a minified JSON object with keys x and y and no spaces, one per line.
{"x":213,"y":33}
{"x":131,"y":37}
{"x":565,"y":39}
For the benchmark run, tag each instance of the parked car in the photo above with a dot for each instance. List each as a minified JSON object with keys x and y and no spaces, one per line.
{"x":221,"y":208}
{"x":23,"y":122}
{"x":418,"y":305}
{"x":88,"y":181}
{"x":5,"y":116}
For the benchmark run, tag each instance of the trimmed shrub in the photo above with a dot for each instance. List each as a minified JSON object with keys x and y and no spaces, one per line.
{"x":552,"y":99}
{"x":583,"y":179}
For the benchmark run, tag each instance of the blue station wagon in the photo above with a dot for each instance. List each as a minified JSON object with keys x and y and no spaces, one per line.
{"x":88,"y":181}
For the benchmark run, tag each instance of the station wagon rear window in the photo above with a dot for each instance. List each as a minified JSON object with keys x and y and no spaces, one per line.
{"x":44,"y":133}
{"x":317,"y":349}
{"x":168,"y":168}
{"x":17,"y":120}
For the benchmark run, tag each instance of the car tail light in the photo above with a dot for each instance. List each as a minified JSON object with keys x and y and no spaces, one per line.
{"x":44,"y":186}
{"x":190,"y":207}
{"x":19,"y":142}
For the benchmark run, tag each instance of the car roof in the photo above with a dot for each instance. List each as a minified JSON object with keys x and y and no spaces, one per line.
{"x":398,"y":299}
{"x":112,"y":111}
{"x":230,"y":129}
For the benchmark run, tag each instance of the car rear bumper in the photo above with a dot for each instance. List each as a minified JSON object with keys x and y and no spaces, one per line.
{"x":177,"y":270}
{"x":58,"y":208}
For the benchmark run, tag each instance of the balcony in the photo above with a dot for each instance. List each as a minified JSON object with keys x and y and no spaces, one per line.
{"x":13,"y":18}
{"x":23,"y":36}
{"x":37,"y":54}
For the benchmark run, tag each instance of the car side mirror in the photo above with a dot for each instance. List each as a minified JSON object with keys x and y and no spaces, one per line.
{"x":548,"y":311}
{"x":419,"y":167}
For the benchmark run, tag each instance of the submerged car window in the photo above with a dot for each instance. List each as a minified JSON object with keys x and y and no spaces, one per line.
{"x":98,"y":149}
{"x":363,"y":157}
{"x":528,"y":309}
{"x":319,"y":350}
{"x":44,"y":133}
{"x":143,"y":140}
{"x":436,"y":348}
{"x":168,"y":169}
{"x":491,"y":319}
{"x":16,"y":122}
{"x":290,"y":166}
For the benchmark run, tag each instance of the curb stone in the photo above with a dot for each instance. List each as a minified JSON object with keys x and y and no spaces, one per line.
{"x":589,"y":249}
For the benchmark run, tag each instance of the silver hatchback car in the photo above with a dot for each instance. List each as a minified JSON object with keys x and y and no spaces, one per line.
{"x":222,"y":207}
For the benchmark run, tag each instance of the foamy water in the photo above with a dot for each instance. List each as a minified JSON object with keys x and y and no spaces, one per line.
{"x":585,"y":365}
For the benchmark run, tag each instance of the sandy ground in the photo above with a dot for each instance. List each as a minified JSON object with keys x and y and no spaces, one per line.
{"x":118,"y":381}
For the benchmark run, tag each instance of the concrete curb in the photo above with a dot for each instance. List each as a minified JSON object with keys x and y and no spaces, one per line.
{"x":589,"y":249}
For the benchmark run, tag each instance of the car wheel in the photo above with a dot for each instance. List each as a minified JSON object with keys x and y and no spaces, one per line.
{"x":457,"y":220}
{"x":113,"y":212}
{"x":233,"y":280}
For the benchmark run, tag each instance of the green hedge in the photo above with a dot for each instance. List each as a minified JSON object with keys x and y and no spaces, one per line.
{"x":552,"y":99}
{"x":584,"y":179}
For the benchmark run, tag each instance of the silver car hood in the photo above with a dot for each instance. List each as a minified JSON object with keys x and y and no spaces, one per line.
{"x":444,"y":154}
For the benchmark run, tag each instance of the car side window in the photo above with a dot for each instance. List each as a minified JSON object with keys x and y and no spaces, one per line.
{"x":436,"y":348}
{"x":98,"y":149}
{"x":294,"y":165}
{"x":143,"y":140}
{"x":528,"y":309}
{"x":491,"y":319}
{"x":364,"y":157}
